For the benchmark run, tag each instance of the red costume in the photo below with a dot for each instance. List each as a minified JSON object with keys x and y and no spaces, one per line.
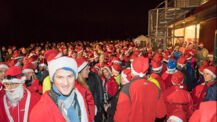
{"x":160,"y":81}
{"x":35,"y":86}
{"x":23,"y":109}
{"x":144,"y":104}
{"x":199,"y":92}
{"x":111,"y":86}
{"x":206,"y":112}
{"x":177,"y":99}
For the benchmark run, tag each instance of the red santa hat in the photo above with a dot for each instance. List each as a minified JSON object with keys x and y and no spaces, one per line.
{"x":177,"y":78}
{"x":42,"y":63}
{"x":28,"y":67}
{"x":211,"y":70}
{"x":200,"y":44}
{"x":166,"y":58}
{"x":201,"y":68}
{"x":188,"y":56}
{"x":140,"y":66}
{"x":14,"y":75}
{"x":116,"y":61}
{"x":182,"y":61}
{"x":62,"y":62}
{"x":33,"y":59}
{"x":116,"y":68}
{"x":156,"y":65}
{"x":108,"y":69}
{"x":17,"y":55}
{"x":51,"y":54}
{"x":210,"y":55}
{"x":3,"y":65}
{"x":126,"y":75}
{"x":82,"y":63}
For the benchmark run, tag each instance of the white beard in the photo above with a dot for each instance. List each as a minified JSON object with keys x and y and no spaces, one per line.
{"x":15,"y":95}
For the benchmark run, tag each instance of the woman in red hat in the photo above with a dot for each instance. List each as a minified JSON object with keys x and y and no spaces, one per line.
{"x":199,"y":92}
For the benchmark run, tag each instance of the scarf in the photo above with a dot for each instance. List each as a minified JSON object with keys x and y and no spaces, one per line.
{"x":65,"y":104}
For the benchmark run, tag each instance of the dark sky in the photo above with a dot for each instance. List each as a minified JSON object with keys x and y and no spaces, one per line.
{"x":22,"y":20}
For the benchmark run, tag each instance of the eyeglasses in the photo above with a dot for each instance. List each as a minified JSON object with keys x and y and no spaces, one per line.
{"x":9,"y":77}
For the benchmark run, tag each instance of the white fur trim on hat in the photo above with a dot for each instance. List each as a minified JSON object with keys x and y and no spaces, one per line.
{"x":60,"y":63}
{"x":19,"y":57}
{"x":108,"y":70}
{"x":159,"y":68}
{"x":136,"y":73}
{"x":27,"y":70}
{"x":82,"y":66}
{"x":189,"y":58}
{"x":124,"y":76}
{"x":175,"y":118}
{"x":34,"y":62}
{"x":4,"y":66}
{"x":210,"y":72}
{"x":58,"y":55}
{"x":182,"y":65}
{"x":113,"y":69}
{"x":41,"y":65}
{"x":15,"y":80}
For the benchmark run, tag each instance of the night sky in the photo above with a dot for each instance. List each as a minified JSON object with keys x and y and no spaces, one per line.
{"x":32,"y":20}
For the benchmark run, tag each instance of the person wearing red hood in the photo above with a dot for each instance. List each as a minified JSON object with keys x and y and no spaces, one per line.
{"x":207,"y":109}
{"x":199,"y":92}
{"x":83,"y":71}
{"x":17,"y":102}
{"x":140,"y":100}
{"x":31,"y":82}
{"x":177,"y":99}
{"x":156,"y":73}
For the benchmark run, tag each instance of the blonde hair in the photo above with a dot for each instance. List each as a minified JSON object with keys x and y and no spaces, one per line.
{"x":82,"y":80}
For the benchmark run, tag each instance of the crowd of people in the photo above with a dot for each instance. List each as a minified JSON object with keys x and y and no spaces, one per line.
{"x":106,"y":81}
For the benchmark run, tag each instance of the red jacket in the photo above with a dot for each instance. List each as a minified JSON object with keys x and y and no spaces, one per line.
{"x":87,"y":95}
{"x":35,"y":86}
{"x":47,"y":111}
{"x":2,"y":91}
{"x":167,"y":79}
{"x":199,"y":92}
{"x":160,"y":81}
{"x":13,"y":111}
{"x":144,"y":104}
{"x":178,"y":100}
{"x":111,"y":86}
{"x":206,"y":112}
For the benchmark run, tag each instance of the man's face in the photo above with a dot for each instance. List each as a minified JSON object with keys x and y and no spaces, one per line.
{"x":64,"y":81}
{"x":10,"y":51}
{"x":207,"y":76}
{"x":101,"y":59}
{"x":2,"y":73}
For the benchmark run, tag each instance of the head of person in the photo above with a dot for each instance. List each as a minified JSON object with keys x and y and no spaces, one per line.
{"x":102,"y":59}
{"x":83,"y":71}
{"x":177,"y":49}
{"x":209,"y":73}
{"x":29,"y":71}
{"x":171,"y":66}
{"x":156,"y":66}
{"x":116,"y":69}
{"x":201,"y":45}
{"x":106,"y":71}
{"x":125,"y":76}
{"x":177,"y":78}
{"x":3,"y":68}
{"x":63,"y":72}
{"x":139,"y":66}
{"x":13,"y":83}
{"x":181,"y":62}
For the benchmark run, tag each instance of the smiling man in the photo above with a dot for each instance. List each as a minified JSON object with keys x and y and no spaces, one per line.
{"x":63,"y":102}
